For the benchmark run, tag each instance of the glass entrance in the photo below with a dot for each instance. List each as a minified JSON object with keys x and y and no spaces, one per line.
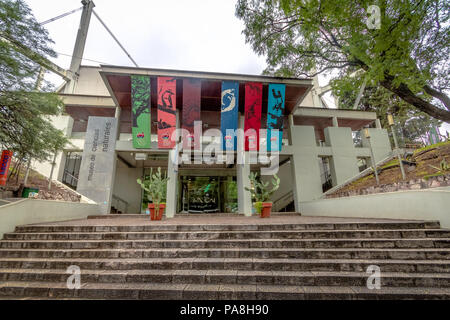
{"x":207,"y":194}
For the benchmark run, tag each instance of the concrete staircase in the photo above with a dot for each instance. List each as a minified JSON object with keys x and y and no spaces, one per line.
{"x":227,"y":261}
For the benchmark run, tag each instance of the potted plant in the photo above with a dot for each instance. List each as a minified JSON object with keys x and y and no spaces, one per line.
{"x":261,"y":193}
{"x":156,"y":186}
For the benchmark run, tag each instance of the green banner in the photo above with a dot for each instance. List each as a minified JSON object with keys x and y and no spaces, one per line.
{"x":140,"y":112}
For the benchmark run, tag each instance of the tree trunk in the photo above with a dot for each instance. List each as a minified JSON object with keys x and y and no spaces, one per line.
{"x":407,"y":95}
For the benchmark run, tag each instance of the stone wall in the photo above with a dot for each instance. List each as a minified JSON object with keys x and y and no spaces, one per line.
{"x":415,"y":184}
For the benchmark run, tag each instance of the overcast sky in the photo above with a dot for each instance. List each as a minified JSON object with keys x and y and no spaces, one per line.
{"x":200,"y":35}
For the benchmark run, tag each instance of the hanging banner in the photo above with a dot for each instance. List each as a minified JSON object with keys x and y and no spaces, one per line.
{"x":253,"y":103}
{"x":229,"y":114}
{"x":4,"y":166}
{"x":140,"y":112}
{"x":167,"y":112}
{"x":191,"y":111}
{"x":275,"y":111}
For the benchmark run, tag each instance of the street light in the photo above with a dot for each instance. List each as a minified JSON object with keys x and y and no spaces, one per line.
{"x":391,"y":124}
{"x":367,"y":136}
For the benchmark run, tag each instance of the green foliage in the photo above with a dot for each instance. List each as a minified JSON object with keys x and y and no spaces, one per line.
{"x":260,"y":191}
{"x":408,"y":54}
{"x":25,"y":123}
{"x":155,"y":186}
{"x":411,"y":123}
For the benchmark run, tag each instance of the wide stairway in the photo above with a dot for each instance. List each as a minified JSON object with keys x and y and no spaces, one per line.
{"x":227,"y":261}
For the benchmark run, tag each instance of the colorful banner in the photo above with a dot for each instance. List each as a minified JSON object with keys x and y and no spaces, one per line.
{"x":167,"y":112}
{"x":275,"y":111}
{"x":229,"y":114}
{"x":253,"y":103}
{"x":191,"y":111}
{"x":140,"y":112}
{"x":4,"y":166}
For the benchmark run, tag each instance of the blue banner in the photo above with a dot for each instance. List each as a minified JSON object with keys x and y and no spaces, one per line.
{"x":275,"y":110}
{"x":229,"y":114}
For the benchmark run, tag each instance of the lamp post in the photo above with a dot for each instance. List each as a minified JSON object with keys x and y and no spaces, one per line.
{"x":367,"y":135}
{"x":391,"y":124}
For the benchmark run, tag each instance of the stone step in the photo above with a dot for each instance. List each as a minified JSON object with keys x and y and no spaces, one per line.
{"x":271,"y":253}
{"x":317,"y":278}
{"x":213,"y":291}
{"x":298,"y":234}
{"x":350,"y":265}
{"x":229,"y":243}
{"x":164,"y":226}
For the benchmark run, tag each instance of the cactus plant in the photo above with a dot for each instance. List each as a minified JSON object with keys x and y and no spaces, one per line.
{"x":260,"y":191}
{"x":155,"y":185}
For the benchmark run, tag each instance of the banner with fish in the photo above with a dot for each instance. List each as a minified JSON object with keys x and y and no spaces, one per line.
{"x":140,"y":112}
{"x":229,"y":114}
{"x":167,"y":112}
{"x":191,"y":111}
{"x":253,"y":103}
{"x":275,"y":110}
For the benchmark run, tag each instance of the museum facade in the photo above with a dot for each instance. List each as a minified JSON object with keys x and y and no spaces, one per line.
{"x":206,"y":131}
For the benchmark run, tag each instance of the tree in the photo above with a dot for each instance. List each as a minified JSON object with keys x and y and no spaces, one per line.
{"x":407,"y":52}
{"x":25,"y":113}
{"x":411,"y":123}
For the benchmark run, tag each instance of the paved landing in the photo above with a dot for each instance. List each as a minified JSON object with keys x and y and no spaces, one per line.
{"x":128,"y":220}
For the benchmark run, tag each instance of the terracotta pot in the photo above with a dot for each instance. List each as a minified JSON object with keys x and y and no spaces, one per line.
{"x":266,"y":209}
{"x":153,"y":215}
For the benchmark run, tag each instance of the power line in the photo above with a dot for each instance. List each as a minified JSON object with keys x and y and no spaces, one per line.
{"x":71,"y":56}
{"x":112,"y":35}
{"x":60,"y":16}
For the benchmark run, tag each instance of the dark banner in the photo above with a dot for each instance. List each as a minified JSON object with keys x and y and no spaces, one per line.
{"x":253,"y":103}
{"x":275,"y":110}
{"x":191,"y":111}
{"x":229,"y":114}
{"x":140,"y":112}
{"x":167,"y":111}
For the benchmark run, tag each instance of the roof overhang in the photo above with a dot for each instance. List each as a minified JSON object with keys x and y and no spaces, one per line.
{"x":118,"y":82}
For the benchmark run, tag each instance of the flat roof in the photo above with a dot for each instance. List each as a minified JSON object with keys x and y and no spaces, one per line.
{"x":118,"y":82}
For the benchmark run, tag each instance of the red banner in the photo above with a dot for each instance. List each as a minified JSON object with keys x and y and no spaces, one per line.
{"x":191,"y":111}
{"x":253,"y":103}
{"x":4,"y":166}
{"x":167,"y":110}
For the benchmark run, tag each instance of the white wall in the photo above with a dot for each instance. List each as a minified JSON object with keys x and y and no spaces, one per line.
{"x":29,"y":211}
{"x":429,"y":204}
{"x":126,"y":187}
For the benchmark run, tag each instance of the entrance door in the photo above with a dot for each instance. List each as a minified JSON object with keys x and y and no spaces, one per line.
{"x":200,"y":194}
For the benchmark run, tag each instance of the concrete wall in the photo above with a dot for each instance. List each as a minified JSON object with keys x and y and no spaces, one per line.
{"x":29,"y":211}
{"x":90,"y":82}
{"x":65,"y":124}
{"x":416,"y":205}
{"x":381,"y":146}
{"x":126,"y":187}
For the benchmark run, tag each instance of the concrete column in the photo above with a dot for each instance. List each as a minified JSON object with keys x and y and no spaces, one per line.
{"x":381,"y":146}
{"x":335,"y":122}
{"x":343,"y":164}
{"x":172,"y":186}
{"x":306,"y":184}
{"x":244,"y":196}
{"x":378,"y":124}
{"x":242,"y":173}
{"x":290,"y":126}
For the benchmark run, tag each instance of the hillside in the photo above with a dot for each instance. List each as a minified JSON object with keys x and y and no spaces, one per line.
{"x":420,"y":167}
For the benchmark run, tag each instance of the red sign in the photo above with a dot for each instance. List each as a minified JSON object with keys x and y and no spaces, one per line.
{"x":167,"y":110}
{"x":4,"y":166}
{"x":252,"y":124}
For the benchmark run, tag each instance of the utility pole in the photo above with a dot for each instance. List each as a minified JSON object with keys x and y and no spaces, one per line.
{"x":367,"y":135}
{"x":394,"y":136}
{"x":80,"y":43}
